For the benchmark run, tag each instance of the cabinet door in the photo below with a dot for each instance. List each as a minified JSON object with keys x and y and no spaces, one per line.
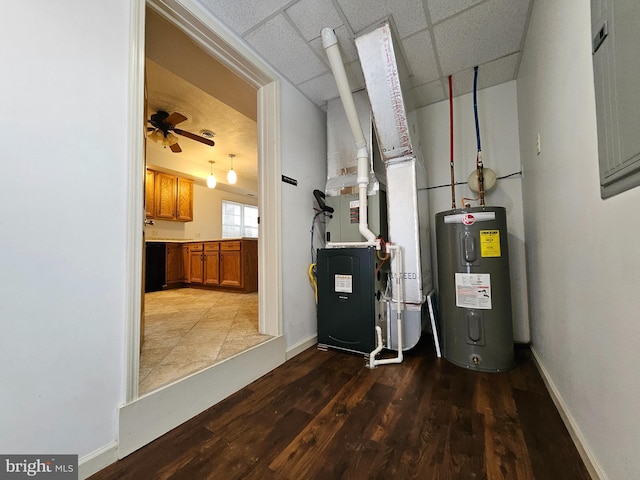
{"x":196,"y":263}
{"x":184,"y":200}
{"x":185,"y":263}
{"x":174,"y":263}
{"x":211,"y":268}
{"x":150,"y":194}
{"x":230,"y":268}
{"x":165,"y":200}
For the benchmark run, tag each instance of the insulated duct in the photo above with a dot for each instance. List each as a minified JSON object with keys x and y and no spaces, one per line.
{"x":399,"y":146}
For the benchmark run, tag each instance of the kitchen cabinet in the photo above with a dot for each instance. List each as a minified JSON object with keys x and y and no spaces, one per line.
{"x":196,"y":263}
{"x":204,"y":263}
{"x":184,"y":199}
{"x":239,"y":264}
{"x":172,"y":197}
{"x":224,"y":264}
{"x":231,"y":264}
{"x":165,"y":196}
{"x":173,"y":264}
{"x":184,"y":248}
{"x":150,"y":194}
{"x":211,"y":266}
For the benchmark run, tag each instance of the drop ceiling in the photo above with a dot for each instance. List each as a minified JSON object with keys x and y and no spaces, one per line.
{"x":437,"y":38}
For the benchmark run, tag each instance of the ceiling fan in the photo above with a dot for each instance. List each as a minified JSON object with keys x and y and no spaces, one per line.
{"x":165,"y":123}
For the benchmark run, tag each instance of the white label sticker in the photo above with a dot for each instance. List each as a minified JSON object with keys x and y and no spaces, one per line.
{"x":473,"y":290}
{"x":344,"y":284}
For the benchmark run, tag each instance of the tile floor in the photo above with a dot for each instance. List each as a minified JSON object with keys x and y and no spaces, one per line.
{"x":189,"y":329}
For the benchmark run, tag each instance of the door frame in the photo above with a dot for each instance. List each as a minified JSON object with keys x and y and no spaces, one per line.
{"x":214,"y":38}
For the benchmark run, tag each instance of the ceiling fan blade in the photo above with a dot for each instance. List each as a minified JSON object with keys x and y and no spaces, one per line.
{"x":175,"y":118}
{"x":175,"y":148}
{"x":195,"y":137}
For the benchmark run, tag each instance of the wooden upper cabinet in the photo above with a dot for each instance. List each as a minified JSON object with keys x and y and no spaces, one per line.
{"x":172,"y":197}
{"x":184,"y":200}
{"x":150,"y":194}
{"x":165,"y":196}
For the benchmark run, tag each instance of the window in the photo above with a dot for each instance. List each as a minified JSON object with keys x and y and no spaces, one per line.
{"x":239,"y":220}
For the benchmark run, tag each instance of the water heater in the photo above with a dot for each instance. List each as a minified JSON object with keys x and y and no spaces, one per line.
{"x":474,"y":288}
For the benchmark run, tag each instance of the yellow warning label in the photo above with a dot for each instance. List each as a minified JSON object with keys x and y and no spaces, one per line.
{"x":490,"y":243}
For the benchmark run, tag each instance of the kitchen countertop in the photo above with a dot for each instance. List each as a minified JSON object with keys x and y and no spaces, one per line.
{"x":191,"y":240}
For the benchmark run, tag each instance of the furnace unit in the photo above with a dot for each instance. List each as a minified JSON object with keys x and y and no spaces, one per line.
{"x":347,"y":299}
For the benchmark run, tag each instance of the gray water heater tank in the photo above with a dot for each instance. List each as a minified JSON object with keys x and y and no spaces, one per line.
{"x":474,"y":288}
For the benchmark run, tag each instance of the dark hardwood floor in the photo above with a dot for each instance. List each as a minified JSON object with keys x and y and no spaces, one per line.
{"x":323,"y":415}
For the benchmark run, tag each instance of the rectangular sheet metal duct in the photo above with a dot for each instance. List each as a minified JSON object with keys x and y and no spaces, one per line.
{"x":385,"y":75}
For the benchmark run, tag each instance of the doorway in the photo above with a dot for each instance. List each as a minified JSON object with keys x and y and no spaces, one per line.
{"x":144,"y":418}
{"x":191,"y":322}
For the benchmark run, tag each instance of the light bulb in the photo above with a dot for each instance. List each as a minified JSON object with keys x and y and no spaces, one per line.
{"x":211,"y":181}
{"x":232,"y":178}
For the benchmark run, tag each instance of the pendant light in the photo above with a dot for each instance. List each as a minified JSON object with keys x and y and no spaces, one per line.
{"x":232,"y":178}
{"x":211,"y":179}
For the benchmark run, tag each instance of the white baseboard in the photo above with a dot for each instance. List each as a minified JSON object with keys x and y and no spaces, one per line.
{"x":574,"y":430}
{"x":301,"y":346}
{"x":153,"y":415}
{"x":97,"y":460}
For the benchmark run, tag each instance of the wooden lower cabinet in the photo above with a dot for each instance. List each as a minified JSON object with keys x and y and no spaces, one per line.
{"x":239,"y":264}
{"x":211,"y":263}
{"x":173,"y":264}
{"x":228,"y":264}
{"x":185,"y":262}
{"x":231,"y":264}
{"x":196,"y":267}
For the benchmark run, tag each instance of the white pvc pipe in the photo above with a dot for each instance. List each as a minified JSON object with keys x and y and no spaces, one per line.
{"x":330,"y":44}
{"x":400,"y":304}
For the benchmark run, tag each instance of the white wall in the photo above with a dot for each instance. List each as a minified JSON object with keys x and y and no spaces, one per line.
{"x":582,"y":255}
{"x":304,"y":158}
{"x":498,"y":119}
{"x":62,"y":247}
{"x":207,"y":216}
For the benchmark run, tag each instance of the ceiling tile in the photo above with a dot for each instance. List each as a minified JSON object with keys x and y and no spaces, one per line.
{"x":489,"y":74}
{"x":320,"y":89}
{"x":408,"y":15}
{"x":311,"y":16}
{"x":418,"y":49}
{"x":428,"y":94}
{"x":242,"y":15}
{"x":490,"y":30}
{"x":441,"y":9}
{"x":279,"y":43}
{"x":345,"y":42}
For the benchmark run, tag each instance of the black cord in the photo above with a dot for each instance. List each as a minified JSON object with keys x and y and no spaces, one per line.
{"x":464,"y":183}
{"x":313,"y":226}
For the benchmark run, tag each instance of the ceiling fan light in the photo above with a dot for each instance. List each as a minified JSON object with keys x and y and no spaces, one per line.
{"x":232,"y":178}
{"x":172,"y":138}
{"x":211,"y":181}
{"x":156,"y":135}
